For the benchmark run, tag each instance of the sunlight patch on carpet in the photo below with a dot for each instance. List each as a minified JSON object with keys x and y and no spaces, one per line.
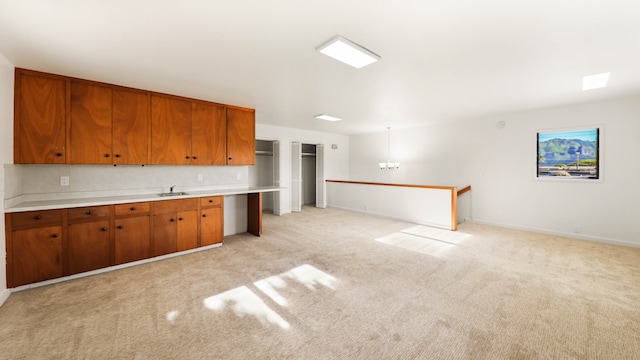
{"x":245,"y":302}
{"x":270,"y":286}
{"x":310,"y":277}
{"x":425,"y":240}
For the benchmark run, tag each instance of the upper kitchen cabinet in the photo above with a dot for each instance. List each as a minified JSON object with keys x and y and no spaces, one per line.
{"x":209,"y":134}
{"x":91,"y":124}
{"x":108,"y":125}
{"x":130,"y":127}
{"x":64,"y":120}
{"x":40,"y":118}
{"x":187,"y":132}
{"x":241,"y":136}
{"x":170,"y":131}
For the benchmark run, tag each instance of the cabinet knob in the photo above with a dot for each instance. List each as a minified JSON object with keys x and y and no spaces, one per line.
{"x":117,"y":155}
{"x":186,"y":157}
{"x":58,"y":154}
{"x":106,"y":155}
{"x":172,"y":219}
{"x":180,"y":219}
{"x":89,"y":212}
{"x":54,"y":235}
{"x":37,"y":217}
{"x":103,"y":229}
{"x":230,"y":158}
{"x":210,"y":200}
{"x":133,"y":209}
{"x":119,"y":227}
{"x":204,"y":215}
{"x":195,"y":157}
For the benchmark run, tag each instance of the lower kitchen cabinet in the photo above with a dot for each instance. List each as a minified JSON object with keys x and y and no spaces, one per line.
{"x":48,"y":244}
{"x":88,"y":247}
{"x":175,"y":226}
{"x":175,"y":232}
{"x":35,"y":255}
{"x":211,"y":220}
{"x":187,"y":230}
{"x":132,"y":239}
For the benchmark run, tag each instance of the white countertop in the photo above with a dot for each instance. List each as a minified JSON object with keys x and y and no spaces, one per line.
{"x":109,"y":200}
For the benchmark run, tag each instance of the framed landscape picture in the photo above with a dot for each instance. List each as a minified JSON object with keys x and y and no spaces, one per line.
{"x":569,"y":154}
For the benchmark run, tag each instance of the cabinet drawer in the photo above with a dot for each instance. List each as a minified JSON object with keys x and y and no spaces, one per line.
{"x":211,"y":201}
{"x":167,"y":206}
{"x":132,"y":209}
{"x":36,"y":218}
{"x":90,"y":212}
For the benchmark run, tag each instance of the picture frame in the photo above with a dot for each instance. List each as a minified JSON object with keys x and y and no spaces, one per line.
{"x":569,"y":154}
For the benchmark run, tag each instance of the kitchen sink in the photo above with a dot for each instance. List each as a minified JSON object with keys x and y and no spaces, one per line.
{"x":173,"y":194}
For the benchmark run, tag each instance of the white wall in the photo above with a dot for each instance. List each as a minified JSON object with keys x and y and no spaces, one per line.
{"x":6,"y":156}
{"x":500,"y":166}
{"x":336,"y":160}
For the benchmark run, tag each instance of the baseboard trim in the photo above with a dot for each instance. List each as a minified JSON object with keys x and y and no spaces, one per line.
{"x":556,"y":233}
{"x":4,"y":295}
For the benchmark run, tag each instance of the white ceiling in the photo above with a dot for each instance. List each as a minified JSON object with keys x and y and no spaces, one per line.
{"x":441,"y":60}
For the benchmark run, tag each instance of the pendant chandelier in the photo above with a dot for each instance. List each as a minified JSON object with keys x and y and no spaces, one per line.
{"x":389,"y":165}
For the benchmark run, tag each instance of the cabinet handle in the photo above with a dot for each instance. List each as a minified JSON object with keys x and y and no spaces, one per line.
{"x":230,"y":158}
{"x":37,"y":217}
{"x":133,"y":209}
{"x":119,"y":227}
{"x":180,"y":219}
{"x":195,"y":157}
{"x":204,"y":215}
{"x":58,"y":154}
{"x":186,"y":157}
{"x":103,"y":229}
{"x":172,"y":219}
{"x":89,"y":212}
{"x":54,"y":235}
{"x":210,"y":200}
{"x":117,"y":155}
{"x":106,"y":155}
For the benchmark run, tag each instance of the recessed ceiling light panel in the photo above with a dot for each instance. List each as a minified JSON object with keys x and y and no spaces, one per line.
{"x":327,"y":117}
{"x":348,"y":52}
{"x":595,"y":81}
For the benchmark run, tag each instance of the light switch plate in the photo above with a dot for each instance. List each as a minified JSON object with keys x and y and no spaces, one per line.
{"x":64,"y":181}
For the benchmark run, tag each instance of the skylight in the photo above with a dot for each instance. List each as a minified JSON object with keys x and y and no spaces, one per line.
{"x":348,"y":52}
{"x":595,"y":81}
{"x":327,"y":117}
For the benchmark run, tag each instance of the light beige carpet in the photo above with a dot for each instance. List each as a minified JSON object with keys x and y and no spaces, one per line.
{"x":329,"y":284}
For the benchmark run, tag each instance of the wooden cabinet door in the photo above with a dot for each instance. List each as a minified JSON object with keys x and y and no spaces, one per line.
{"x":187,"y":230}
{"x":40,"y":123}
{"x":132,"y":241}
{"x":88,"y":246}
{"x":241,"y":137}
{"x":211,"y":226}
{"x":90,"y":131}
{"x":130,"y":127}
{"x":208,"y":134}
{"x":165,"y":234}
{"x":36,"y":255}
{"x":170,"y":131}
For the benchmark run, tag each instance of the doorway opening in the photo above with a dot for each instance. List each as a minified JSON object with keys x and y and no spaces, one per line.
{"x":307,"y":175}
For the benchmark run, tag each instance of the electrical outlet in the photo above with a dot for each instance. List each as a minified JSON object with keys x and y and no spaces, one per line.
{"x":200,"y":177}
{"x":577,"y":229}
{"x":239,"y":176}
{"x":64,"y":181}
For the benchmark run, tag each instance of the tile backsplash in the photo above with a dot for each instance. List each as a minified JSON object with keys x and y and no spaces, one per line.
{"x":42,"y":182}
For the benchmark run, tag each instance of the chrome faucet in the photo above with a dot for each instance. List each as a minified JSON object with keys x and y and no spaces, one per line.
{"x":171,"y":189}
